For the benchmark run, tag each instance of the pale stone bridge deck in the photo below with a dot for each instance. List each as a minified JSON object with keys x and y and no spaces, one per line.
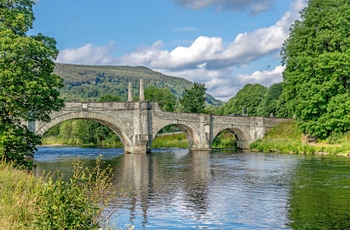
{"x":137,"y":124}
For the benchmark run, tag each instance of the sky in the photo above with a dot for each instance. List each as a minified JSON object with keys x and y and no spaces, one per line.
{"x":224,"y":44}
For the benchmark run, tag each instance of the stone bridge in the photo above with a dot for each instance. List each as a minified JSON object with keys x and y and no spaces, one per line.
{"x":137,"y":124}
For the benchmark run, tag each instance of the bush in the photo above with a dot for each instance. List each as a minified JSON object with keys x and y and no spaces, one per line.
{"x":77,"y":203}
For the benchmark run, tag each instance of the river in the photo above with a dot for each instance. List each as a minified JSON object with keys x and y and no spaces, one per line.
{"x":179,"y":189}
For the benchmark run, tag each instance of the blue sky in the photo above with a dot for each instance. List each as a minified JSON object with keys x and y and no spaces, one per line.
{"x":222,"y":43}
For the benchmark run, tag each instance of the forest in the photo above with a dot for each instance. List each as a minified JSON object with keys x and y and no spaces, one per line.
{"x":84,"y":83}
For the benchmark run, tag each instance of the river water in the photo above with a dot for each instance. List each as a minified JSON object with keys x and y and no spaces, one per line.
{"x":179,"y":189}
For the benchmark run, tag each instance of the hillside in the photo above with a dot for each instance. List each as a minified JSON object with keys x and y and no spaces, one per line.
{"x":88,"y":83}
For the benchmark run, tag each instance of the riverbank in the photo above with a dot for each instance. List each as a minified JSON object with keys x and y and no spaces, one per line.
{"x":31,"y":202}
{"x":287,"y":138}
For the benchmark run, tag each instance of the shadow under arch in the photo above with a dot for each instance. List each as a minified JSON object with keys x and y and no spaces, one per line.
{"x":240,"y":135}
{"x":189,"y":132}
{"x":107,"y":120}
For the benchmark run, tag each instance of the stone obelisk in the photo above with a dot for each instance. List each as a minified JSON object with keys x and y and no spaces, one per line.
{"x":130,"y":93}
{"x":142,"y":92}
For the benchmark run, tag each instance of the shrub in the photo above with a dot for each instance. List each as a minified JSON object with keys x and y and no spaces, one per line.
{"x":77,"y":203}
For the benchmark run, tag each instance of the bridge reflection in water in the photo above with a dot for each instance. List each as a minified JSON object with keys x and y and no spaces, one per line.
{"x":153,"y":181}
{"x":174,"y":188}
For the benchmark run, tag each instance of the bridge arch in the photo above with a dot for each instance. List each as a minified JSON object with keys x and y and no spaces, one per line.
{"x":242,"y":137}
{"x":119,"y":128}
{"x":190,"y":132}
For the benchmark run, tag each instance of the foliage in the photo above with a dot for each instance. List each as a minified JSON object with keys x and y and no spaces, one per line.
{"x":286,"y":137}
{"x":77,"y":204}
{"x":28,"y":89}
{"x":317,"y":60}
{"x":177,"y":140}
{"x":82,"y":132}
{"x":272,"y":102}
{"x":18,"y":193}
{"x":249,"y":98}
{"x":193,"y":100}
{"x":224,"y":140}
{"x":110,"y":98}
{"x":28,"y":202}
{"x":166,"y":100}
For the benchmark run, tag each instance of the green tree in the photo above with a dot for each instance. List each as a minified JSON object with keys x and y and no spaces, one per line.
{"x":193,"y":100}
{"x":110,"y":98}
{"x":248,"y":98}
{"x":166,"y":100}
{"x":28,"y":89}
{"x":317,"y":60}
{"x":272,"y":102}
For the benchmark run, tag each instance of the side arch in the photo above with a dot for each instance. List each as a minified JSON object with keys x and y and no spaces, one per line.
{"x":190,"y":132}
{"x":241,"y":136}
{"x":118,"y":127}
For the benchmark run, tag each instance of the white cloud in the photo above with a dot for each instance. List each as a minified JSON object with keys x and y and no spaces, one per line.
{"x":265,"y":77}
{"x":87,"y":54}
{"x":207,"y":60}
{"x":244,"y":49}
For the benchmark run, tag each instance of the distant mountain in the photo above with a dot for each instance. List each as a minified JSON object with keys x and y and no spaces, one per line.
{"x":88,"y":83}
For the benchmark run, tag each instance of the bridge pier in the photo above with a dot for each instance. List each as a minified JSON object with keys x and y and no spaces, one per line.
{"x":203,"y":142}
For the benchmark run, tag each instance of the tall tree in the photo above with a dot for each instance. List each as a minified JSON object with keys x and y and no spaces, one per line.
{"x":317,"y":60}
{"x":166,"y":100}
{"x":271,"y":103}
{"x":193,"y":100}
{"x":28,"y":89}
{"x":248,"y":99}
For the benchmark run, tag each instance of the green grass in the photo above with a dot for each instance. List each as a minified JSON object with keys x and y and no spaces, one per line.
{"x":177,"y":140}
{"x":287,"y":138}
{"x":18,"y":194}
{"x":29,"y":202}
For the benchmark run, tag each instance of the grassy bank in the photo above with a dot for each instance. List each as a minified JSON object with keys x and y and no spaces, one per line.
{"x":18,"y":194}
{"x":287,"y":138}
{"x":177,"y":140}
{"x":110,"y":142}
{"x":28,"y":202}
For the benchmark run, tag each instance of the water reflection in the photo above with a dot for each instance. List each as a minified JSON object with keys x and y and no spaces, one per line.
{"x":159,"y":179}
{"x":203,"y":190}
{"x":320,"y":193}
{"x":171,"y":189}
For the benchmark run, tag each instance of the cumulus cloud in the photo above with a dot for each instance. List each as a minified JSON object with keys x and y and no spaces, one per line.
{"x":255,"y":6}
{"x":87,"y":54}
{"x":244,"y":49}
{"x":208,"y":60}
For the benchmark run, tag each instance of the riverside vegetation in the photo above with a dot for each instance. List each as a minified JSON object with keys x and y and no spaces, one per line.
{"x":31,"y":202}
{"x":286,"y":137}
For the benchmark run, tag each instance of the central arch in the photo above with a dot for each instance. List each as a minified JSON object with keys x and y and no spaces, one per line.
{"x":241,"y":136}
{"x":119,"y":128}
{"x":190,"y":133}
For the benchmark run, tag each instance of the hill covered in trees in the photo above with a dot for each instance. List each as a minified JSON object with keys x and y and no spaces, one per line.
{"x":89,"y":83}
